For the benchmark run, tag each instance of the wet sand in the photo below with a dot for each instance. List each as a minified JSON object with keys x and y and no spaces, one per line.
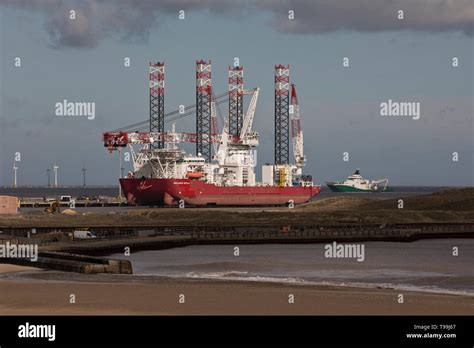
{"x":48,"y":293}
{"x":6,"y":268}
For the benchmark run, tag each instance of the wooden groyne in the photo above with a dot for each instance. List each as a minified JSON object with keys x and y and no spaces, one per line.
{"x":74,"y":263}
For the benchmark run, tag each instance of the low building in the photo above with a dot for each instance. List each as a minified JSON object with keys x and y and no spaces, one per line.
{"x":9,"y":205}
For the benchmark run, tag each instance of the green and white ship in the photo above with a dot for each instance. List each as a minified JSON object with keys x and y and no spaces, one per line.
{"x":356,"y":183}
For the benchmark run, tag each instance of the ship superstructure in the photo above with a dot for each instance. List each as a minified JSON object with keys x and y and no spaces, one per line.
{"x":356,"y":183}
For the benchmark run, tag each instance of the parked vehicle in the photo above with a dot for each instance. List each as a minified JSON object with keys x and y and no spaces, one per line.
{"x":65,"y":198}
{"x":84,"y":235}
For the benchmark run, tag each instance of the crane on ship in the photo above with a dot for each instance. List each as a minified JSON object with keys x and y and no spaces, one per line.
{"x":296,"y":132}
{"x":125,"y":136}
{"x":247,"y":136}
{"x":135,"y":133}
{"x":160,"y":159}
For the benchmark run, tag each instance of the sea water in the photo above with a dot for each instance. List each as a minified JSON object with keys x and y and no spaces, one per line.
{"x":425,"y":265}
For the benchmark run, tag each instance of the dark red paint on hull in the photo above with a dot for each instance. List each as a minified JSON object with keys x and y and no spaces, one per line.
{"x":143,"y":191}
{"x":200,"y":193}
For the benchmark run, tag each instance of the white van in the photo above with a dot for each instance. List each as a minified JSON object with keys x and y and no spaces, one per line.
{"x":83,"y":235}
{"x":65,"y":198}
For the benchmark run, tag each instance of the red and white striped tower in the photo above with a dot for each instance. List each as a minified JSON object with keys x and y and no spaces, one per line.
{"x":282,"y":114}
{"x":157,"y":102}
{"x":236,"y":86}
{"x":203,"y":109}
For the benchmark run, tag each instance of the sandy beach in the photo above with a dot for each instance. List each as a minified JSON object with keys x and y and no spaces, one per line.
{"x":34,"y":292}
{"x":6,"y":268}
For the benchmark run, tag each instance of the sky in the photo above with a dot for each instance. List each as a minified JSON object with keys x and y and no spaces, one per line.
{"x":403,"y":60}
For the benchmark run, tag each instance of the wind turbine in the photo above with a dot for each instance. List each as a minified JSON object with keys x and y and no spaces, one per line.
{"x":84,"y":175}
{"x":55,"y":167}
{"x":15,"y":169}
{"x":48,"y":173}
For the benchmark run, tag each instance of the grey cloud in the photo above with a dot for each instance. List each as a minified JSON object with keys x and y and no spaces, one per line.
{"x":321,"y":16}
{"x":134,"y":19}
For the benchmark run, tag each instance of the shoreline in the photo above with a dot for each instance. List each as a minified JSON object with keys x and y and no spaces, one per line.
{"x":47,"y":293}
{"x":40,"y":275}
{"x":329,"y":284}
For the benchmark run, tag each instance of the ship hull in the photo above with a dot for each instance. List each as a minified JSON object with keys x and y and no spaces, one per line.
{"x":200,"y":193}
{"x":346,"y":188}
{"x":143,"y":191}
